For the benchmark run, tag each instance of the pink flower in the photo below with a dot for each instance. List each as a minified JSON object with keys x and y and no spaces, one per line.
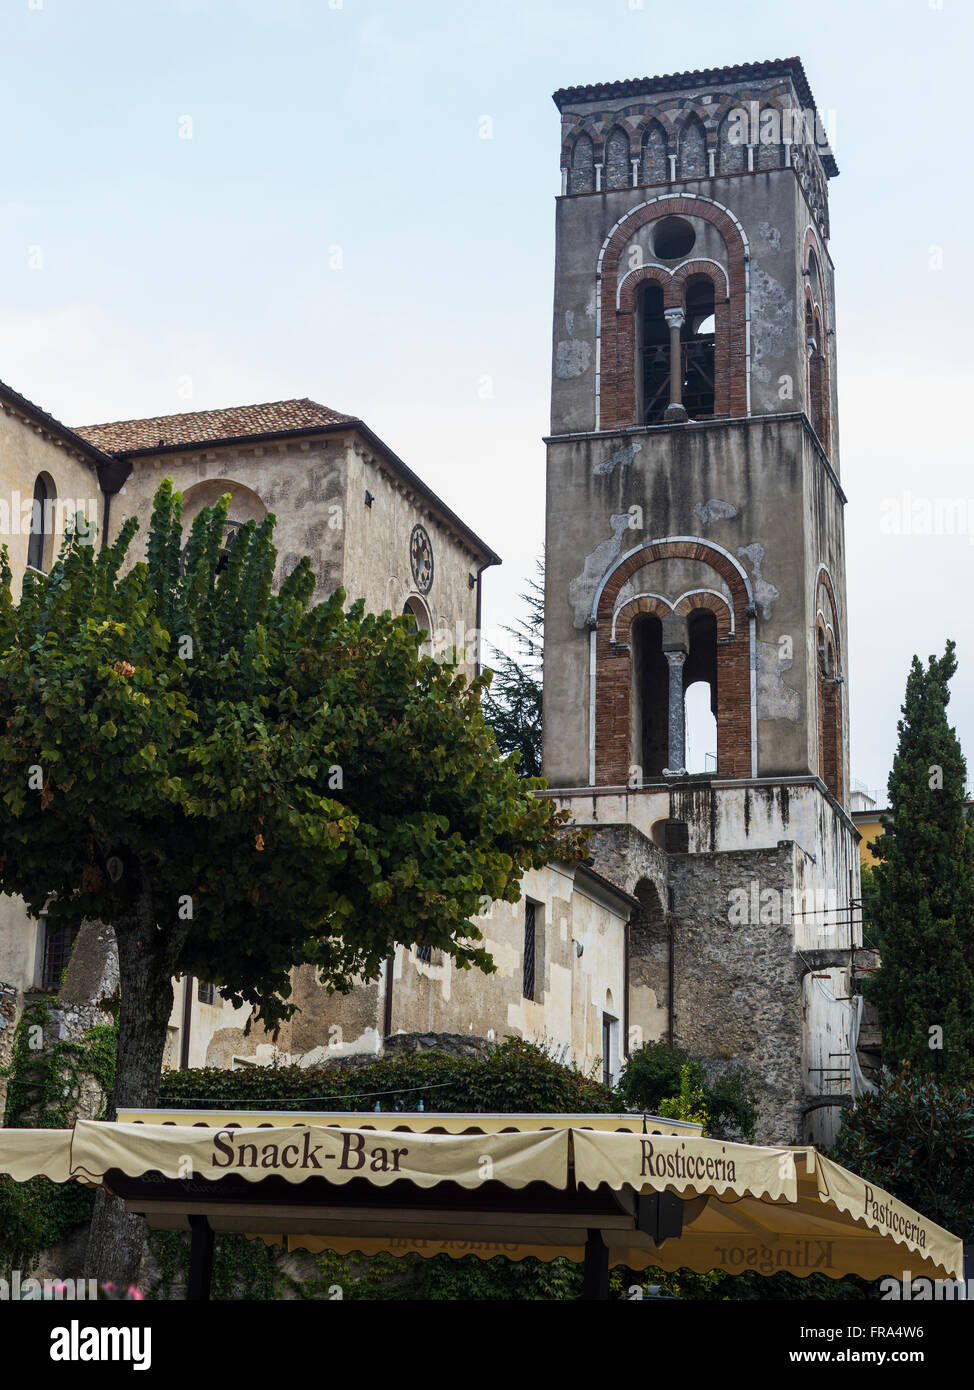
{"x":133,"y":1292}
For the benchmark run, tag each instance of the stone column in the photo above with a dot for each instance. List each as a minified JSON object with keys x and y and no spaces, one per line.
{"x":676,"y":645}
{"x":675,"y":410}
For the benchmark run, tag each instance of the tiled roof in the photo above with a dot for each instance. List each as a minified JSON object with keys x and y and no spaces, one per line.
{"x":211,"y":426}
{"x":679,"y":81}
{"x":644,"y":86}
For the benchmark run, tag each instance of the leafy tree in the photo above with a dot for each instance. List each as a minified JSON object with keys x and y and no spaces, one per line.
{"x":869,"y":893}
{"x":923,"y":898}
{"x":513,"y":704}
{"x":239,"y":781}
{"x":915,"y":1137}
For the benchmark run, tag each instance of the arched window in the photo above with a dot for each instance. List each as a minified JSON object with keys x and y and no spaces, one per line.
{"x":829,"y":690}
{"x":581,"y":178}
{"x":41,"y":543}
{"x":693,"y":150}
{"x":414,"y":609}
{"x":650,"y":696}
{"x":700,"y":692}
{"x":698,"y":338}
{"x":815,"y":349}
{"x":655,"y":165}
{"x":653,"y":369}
{"x":617,"y":170}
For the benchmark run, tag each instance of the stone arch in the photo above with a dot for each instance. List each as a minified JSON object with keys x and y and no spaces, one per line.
{"x":612,"y":686}
{"x":245,"y":504}
{"x":731,"y":151}
{"x":692,"y":148}
{"x":581,"y":164}
{"x":415,"y":607}
{"x":655,"y":164}
{"x":618,"y":173}
{"x":767,"y":151}
{"x":648,"y":945}
{"x":617,"y":396}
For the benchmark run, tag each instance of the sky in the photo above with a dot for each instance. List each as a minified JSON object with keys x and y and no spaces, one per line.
{"x":215,"y":202}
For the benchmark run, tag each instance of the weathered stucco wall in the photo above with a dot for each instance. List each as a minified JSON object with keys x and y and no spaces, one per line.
{"x":300,"y":480}
{"x":758,"y":491}
{"x":27,"y":450}
{"x":377,"y":565}
{"x":573,"y":989}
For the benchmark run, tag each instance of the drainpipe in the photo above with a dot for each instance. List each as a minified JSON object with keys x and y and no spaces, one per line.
{"x":670,"y":965}
{"x":187,"y":1020}
{"x":625,"y":994}
{"x":387,"y":1010}
{"x":112,"y":476}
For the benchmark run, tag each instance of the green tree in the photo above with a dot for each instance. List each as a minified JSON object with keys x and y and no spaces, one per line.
{"x":923,"y":894}
{"x":915,"y":1137}
{"x":239,"y":781}
{"x":513,"y":704}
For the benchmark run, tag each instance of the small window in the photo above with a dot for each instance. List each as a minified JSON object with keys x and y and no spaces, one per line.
{"x":424,"y":954}
{"x":530,"y":921}
{"x":58,"y":941}
{"x":206,"y":994}
{"x":610,"y":1043}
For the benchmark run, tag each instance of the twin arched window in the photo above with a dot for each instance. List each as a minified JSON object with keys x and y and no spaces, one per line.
{"x":654,"y":378}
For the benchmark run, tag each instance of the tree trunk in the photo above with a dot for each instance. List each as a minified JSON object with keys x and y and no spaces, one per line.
{"x":117,"y":1239}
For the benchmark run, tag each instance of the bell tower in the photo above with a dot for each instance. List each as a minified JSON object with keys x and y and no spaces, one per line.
{"x":695,"y":547}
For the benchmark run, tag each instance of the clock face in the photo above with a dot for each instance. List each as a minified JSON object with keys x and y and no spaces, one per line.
{"x":421,"y":559}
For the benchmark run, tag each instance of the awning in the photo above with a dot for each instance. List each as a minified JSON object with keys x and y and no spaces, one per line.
{"x":335,"y":1155}
{"x":610,"y":1190}
{"x":33,"y":1153}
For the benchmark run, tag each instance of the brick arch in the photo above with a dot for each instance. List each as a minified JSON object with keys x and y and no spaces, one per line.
{"x":611,"y":690}
{"x":616,"y":405}
{"x":813,"y":244}
{"x":714,"y":603}
{"x":622,"y":618}
{"x":829,"y":695}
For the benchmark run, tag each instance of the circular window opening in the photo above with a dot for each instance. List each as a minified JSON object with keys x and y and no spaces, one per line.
{"x":673,"y":238}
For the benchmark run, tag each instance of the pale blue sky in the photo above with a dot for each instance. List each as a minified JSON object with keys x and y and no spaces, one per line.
{"x":164,"y":265}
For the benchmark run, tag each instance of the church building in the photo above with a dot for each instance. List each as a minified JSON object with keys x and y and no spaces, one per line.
{"x":696,"y":709}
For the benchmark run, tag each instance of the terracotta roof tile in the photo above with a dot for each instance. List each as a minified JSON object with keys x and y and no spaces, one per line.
{"x":211,"y":426}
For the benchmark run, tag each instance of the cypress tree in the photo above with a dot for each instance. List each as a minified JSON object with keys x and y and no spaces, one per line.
{"x":924,"y":899}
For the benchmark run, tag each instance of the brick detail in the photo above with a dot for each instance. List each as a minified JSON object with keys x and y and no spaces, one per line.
{"x":829,"y":694}
{"x":818,"y":381}
{"x":618,"y":357}
{"x":613,"y":663}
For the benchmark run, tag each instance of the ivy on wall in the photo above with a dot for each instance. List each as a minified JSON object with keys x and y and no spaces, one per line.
{"x":46,"y":1080}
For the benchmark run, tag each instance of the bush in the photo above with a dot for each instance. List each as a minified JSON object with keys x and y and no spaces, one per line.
{"x":517,"y":1077}
{"x":658,"y":1072}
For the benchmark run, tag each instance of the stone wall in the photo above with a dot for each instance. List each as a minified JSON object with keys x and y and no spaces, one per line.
{"x":738,"y":998}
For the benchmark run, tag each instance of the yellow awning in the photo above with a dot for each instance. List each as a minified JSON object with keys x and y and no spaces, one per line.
{"x":336,"y":1155}
{"x":33,"y":1153}
{"x":513,"y":1185}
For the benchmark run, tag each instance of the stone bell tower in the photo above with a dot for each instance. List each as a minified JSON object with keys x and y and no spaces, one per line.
{"x":695,"y":548}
